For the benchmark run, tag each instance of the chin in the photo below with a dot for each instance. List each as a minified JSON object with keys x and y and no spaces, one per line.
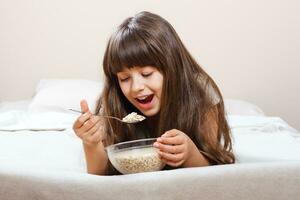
{"x":150,"y":113}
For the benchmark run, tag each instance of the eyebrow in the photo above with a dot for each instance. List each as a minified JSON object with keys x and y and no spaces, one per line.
{"x":122,"y":74}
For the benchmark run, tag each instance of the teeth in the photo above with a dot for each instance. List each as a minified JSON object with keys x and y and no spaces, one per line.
{"x":142,"y":98}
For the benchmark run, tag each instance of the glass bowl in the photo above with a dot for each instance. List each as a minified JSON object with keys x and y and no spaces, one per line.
{"x":135,"y":156}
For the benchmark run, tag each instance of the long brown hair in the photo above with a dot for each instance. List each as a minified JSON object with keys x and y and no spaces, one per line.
{"x":149,"y":40}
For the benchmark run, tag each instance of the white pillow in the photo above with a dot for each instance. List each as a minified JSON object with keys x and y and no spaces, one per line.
{"x":63,"y":94}
{"x":240,"y":107}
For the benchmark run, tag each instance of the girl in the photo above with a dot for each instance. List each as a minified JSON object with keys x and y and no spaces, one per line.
{"x":148,"y":70}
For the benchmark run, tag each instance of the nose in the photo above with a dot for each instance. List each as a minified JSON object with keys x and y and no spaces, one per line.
{"x":137,"y":84}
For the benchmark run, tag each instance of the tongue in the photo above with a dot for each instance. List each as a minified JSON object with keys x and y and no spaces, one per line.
{"x":147,"y":100}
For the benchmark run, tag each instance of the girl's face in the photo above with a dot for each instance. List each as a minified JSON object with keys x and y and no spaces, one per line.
{"x":142,"y":86}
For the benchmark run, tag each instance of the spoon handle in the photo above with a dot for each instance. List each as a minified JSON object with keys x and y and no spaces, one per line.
{"x":101,"y":116}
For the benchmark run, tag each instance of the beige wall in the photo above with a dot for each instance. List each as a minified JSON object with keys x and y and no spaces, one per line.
{"x":249,"y":47}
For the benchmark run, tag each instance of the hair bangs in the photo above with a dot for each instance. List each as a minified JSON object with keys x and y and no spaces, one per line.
{"x":129,"y":49}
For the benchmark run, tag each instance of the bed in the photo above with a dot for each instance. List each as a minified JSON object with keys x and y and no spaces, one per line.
{"x":41,"y":158}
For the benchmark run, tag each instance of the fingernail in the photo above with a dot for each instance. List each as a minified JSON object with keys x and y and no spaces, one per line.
{"x":155,"y":144}
{"x":159,"y":139}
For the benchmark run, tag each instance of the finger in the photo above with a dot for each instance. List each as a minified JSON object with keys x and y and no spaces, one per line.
{"x":81,"y":120}
{"x":88,"y":124}
{"x":97,"y":136}
{"x":173,"y":149}
{"x":90,"y":139}
{"x":171,"y":157}
{"x":177,"y":140}
{"x":84,"y":106}
{"x":171,"y":163}
{"x":90,"y":132}
{"x":170,"y":133}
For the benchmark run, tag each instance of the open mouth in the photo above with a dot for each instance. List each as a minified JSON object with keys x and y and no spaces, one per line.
{"x":146,"y":100}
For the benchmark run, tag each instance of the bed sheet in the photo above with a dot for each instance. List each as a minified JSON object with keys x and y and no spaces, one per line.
{"x":15,"y":105}
{"x":62,"y":151}
{"x":51,"y":164}
{"x":255,"y":139}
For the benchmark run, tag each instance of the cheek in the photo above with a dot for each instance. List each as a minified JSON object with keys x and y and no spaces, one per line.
{"x":158,"y":85}
{"x":158,"y":89}
{"x":125,"y":89}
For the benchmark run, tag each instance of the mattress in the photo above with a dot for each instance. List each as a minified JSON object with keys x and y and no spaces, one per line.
{"x":41,"y":158}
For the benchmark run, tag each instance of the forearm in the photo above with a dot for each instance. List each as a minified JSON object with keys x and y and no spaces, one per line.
{"x":96,"y":158}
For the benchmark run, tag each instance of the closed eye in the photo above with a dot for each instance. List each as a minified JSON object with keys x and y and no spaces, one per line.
{"x":147,"y":74}
{"x":124,"y":79}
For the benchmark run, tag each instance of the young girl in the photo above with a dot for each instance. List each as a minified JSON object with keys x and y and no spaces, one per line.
{"x":148,"y":70}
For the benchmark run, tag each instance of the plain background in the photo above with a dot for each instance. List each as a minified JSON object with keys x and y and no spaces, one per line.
{"x":250,"y":48}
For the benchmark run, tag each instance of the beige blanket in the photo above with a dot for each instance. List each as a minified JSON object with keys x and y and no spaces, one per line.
{"x":268,"y":181}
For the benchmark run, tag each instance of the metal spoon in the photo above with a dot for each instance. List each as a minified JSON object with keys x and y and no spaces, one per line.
{"x":131,"y":118}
